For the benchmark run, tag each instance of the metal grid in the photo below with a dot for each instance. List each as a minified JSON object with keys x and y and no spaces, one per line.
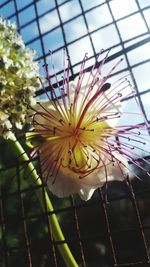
{"x":118,"y":233}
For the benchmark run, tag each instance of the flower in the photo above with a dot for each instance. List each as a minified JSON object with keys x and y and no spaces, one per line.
{"x":76,"y":134}
{"x":18,"y":79}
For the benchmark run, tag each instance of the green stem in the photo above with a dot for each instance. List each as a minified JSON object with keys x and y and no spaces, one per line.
{"x":56,"y":230}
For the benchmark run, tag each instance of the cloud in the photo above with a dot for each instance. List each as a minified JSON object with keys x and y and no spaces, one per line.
{"x":75,"y":29}
{"x":78,"y":49}
{"x":122,"y":8}
{"x":98,"y":17}
{"x":102,"y":40}
{"x":49,"y":21}
{"x":69,"y":10}
{"x":132,"y":26}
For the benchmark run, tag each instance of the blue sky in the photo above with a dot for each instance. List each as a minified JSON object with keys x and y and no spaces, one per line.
{"x":107,"y":36}
{"x":99,"y":17}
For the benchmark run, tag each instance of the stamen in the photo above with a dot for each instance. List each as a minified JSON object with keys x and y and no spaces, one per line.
{"x":74,"y":135}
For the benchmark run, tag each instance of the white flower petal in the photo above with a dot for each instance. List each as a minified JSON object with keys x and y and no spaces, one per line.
{"x":68,"y":182}
{"x":86,"y":193}
{"x":75,"y":137}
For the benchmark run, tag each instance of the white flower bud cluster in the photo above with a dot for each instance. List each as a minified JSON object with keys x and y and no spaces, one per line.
{"x":18,"y":79}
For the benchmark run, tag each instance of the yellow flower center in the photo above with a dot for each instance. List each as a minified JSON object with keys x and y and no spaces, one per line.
{"x":78,"y":146}
{"x":70,"y":144}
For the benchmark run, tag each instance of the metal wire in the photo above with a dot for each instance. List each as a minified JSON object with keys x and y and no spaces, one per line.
{"x":99,"y":233}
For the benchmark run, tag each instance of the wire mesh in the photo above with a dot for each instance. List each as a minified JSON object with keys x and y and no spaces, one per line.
{"x":99,"y":234}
